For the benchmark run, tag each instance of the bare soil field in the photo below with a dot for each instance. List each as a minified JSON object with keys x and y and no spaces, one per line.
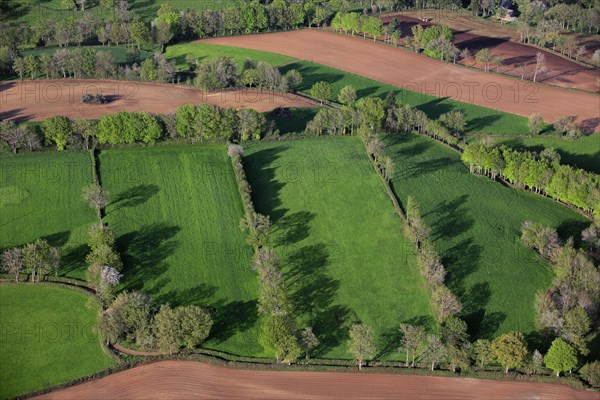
{"x":503,"y":43}
{"x":39,"y":99}
{"x":421,"y":74}
{"x":191,"y":380}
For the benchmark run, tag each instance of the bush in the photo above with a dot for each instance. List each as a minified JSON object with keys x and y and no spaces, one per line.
{"x":94,"y":99}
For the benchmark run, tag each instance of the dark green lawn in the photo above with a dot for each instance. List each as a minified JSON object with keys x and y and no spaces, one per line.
{"x":341,"y":244}
{"x":475,"y":224}
{"x":40,"y":197}
{"x":176,"y":212}
{"x":48,"y":337}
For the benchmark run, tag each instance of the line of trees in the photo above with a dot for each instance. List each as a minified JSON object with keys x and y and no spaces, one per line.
{"x":124,"y":26}
{"x":570,"y":308}
{"x":541,"y":173}
{"x":354,"y":23}
{"x":278,"y":329}
{"x":201,"y":123}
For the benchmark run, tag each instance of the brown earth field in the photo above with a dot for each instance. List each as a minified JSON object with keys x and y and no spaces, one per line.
{"x":415,"y":72}
{"x":561,"y":71}
{"x":191,"y":380}
{"x":39,"y":99}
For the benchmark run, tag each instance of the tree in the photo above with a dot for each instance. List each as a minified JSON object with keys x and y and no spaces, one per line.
{"x":371,"y":112}
{"x":166,"y":329}
{"x":591,"y":372}
{"x":483,"y":352}
{"x":20,"y":66}
{"x":195,"y":324}
{"x":321,"y":91}
{"x":412,"y":338}
{"x":576,"y":325}
{"x":292,"y":79}
{"x":435,"y":350}
{"x":485,"y":57}
{"x":96,"y":197}
{"x":309,"y":340}
{"x":86,"y":129}
{"x":540,"y":65}
{"x":258,"y":227}
{"x":445,"y":302}
{"x":510,"y":350}
{"x":535,"y":123}
{"x":57,"y":129}
{"x":139,"y":33}
{"x":536,"y":362}
{"x":11,"y":134}
{"x":278,"y":334}
{"x":12,"y":262}
{"x":37,"y":259}
{"x":105,"y":65}
{"x":455,"y":121}
{"x":131,"y":313}
{"x":347,"y":95}
{"x":361,"y":343}
{"x":560,"y":357}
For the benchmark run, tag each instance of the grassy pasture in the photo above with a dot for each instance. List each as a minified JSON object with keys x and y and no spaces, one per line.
{"x":176,"y":213}
{"x":205,"y":51}
{"x":44,"y":327}
{"x":583,"y":152}
{"x":479,"y":119}
{"x":40,"y":197}
{"x":341,"y":244}
{"x":476,"y":227}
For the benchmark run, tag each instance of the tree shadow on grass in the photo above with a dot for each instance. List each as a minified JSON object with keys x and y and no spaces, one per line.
{"x":436,"y":107}
{"x":144,"y":253}
{"x":451,"y":218}
{"x":312,"y":293}
{"x":293,"y":228}
{"x":134,"y":196}
{"x":58,"y":239}
{"x":265,"y":188}
{"x":476,"y":124}
{"x":73,"y":260}
{"x":460,"y":261}
{"x":572,"y":228}
{"x":232,"y":317}
{"x":200,"y":295}
{"x":481,"y":323}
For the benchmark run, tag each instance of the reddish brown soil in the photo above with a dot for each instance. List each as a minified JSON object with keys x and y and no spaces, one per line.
{"x":414,"y":72}
{"x":561,"y":71}
{"x":38,"y":100}
{"x":190,"y":380}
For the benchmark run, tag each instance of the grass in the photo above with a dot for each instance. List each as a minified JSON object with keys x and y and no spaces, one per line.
{"x":297,"y":123}
{"x":475,"y":224}
{"x":479,"y":119}
{"x":341,"y":244}
{"x":44,"y":327}
{"x":40,"y":197}
{"x":176,"y":213}
{"x":583,"y":152}
{"x":120,"y":52}
{"x":205,"y":51}
{"x":31,"y":10}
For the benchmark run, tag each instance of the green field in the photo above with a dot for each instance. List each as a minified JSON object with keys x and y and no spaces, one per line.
{"x":479,"y":119}
{"x":341,"y":243}
{"x":475,"y":224}
{"x":40,"y":197}
{"x":176,"y":213}
{"x":582,"y":153}
{"x":48,"y":338}
{"x":31,"y":10}
{"x":205,"y":51}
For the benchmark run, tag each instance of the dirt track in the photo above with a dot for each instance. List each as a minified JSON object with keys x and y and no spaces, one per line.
{"x":561,"y":72}
{"x":40,"y":99}
{"x":418,"y":73}
{"x":190,"y":380}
